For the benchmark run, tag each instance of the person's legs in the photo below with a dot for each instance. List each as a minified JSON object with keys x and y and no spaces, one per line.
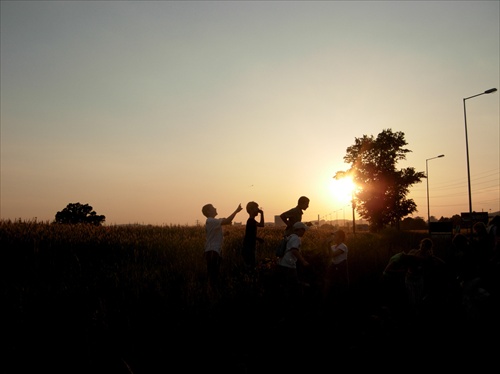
{"x":213,"y":267}
{"x":249,"y":258}
{"x":327,"y":289}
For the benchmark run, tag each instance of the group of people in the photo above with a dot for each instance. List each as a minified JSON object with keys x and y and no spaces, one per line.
{"x":415,"y":279}
{"x":463,"y":283}
{"x":292,"y":264}
{"x":414,"y":283}
{"x":214,"y":238}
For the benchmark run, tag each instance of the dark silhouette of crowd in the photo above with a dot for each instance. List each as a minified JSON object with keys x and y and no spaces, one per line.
{"x":446,"y":302}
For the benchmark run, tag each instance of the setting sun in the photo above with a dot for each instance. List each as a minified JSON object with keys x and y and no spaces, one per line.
{"x":342,"y":189}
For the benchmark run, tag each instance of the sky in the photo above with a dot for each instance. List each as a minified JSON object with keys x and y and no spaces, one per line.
{"x":148,"y":110}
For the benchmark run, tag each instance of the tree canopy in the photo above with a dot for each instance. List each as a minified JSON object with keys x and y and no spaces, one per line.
{"x":380,"y":197}
{"x":79,"y":213}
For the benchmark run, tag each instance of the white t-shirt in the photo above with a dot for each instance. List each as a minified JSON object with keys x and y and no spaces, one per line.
{"x":289,"y":260}
{"x":214,"y":238}
{"x":342,"y":257}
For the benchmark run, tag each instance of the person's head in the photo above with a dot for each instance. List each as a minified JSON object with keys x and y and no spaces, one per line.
{"x":303,"y":202}
{"x":425,"y":248}
{"x":339,"y":236}
{"x":209,"y":211}
{"x":480,"y":228}
{"x":300,"y":228}
{"x":252,"y":208}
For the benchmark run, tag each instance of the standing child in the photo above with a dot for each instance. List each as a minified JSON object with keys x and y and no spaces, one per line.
{"x":290,"y":217}
{"x":213,"y":244}
{"x":250,"y":240}
{"x":336,"y":286}
{"x":287,"y":268}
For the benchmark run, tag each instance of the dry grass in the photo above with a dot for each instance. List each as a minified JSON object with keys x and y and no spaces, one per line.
{"x":132,"y":298}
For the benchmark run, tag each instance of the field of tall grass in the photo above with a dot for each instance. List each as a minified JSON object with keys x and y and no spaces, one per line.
{"x":132,"y":299}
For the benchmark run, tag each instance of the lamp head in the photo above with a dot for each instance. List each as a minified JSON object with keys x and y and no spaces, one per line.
{"x":491,"y":90}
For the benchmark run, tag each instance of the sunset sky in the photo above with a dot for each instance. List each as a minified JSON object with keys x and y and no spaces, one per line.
{"x":147,"y":110}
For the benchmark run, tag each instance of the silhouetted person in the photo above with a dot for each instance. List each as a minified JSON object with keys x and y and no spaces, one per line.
{"x":493,"y":267}
{"x":393,"y":289}
{"x":483,"y":244}
{"x":213,"y":244}
{"x":287,"y":271}
{"x":294,"y":215}
{"x":336,"y":282}
{"x":428,"y":279}
{"x":250,"y":240}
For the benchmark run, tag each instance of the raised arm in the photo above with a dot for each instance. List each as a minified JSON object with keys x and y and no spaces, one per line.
{"x":261,"y":222}
{"x":228,"y":220}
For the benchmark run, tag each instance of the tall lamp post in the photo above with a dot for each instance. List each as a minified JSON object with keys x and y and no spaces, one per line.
{"x":427,"y":177}
{"x":353,"y":203}
{"x":337,"y":217}
{"x":491,"y":90}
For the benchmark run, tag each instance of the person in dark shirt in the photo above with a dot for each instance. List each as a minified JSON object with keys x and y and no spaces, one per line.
{"x":291,"y":216}
{"x":250,"y":240}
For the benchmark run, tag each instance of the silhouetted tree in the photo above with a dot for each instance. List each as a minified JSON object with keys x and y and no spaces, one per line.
{"x":79,"y":213}
{"x":416,"y":223}
{"x":456,"y":220}
{"x":381,"y":192}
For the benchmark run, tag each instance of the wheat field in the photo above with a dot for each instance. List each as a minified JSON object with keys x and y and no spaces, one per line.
{"x":132,"y":299}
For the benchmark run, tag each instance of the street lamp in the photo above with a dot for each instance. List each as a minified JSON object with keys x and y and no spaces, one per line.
{"x":491,"y":90}
{"x":353,"y":203}
{"x":348,"y":205}
{"x":427,"y":177}
{"x":337,"y":216}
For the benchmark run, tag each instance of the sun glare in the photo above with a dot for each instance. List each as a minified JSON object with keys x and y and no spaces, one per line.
{"x":342,"y":190}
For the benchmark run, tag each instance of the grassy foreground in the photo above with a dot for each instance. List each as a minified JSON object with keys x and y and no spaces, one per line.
{"x":132,"y":299}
